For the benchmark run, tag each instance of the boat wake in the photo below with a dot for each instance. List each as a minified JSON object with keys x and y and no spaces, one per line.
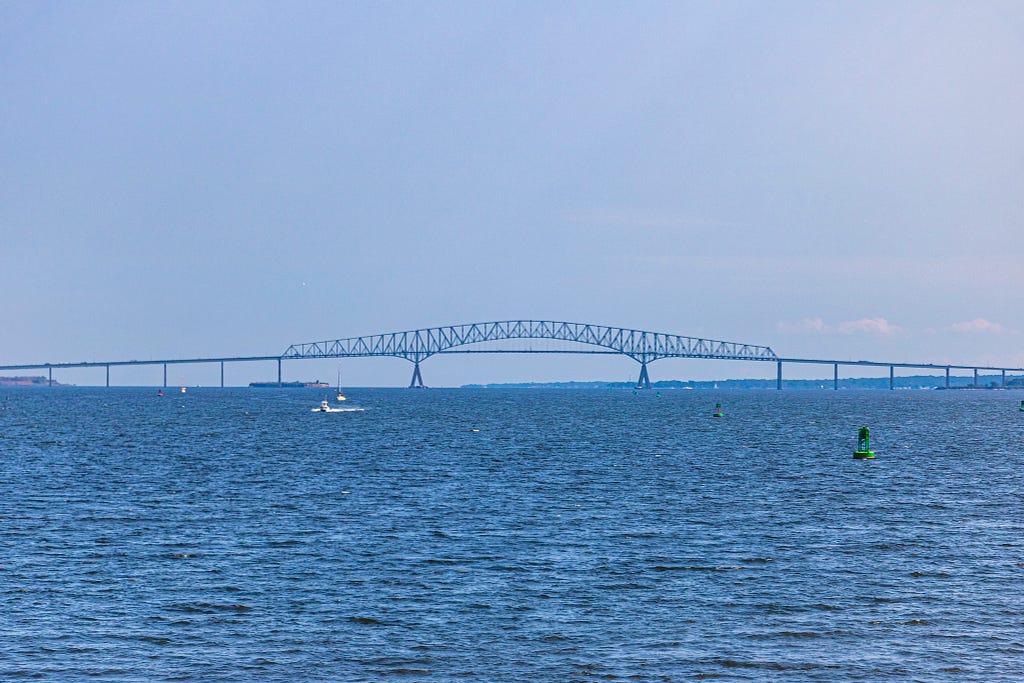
{"x":324,"y":407}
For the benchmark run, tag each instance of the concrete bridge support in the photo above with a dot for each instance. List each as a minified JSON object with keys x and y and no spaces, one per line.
{"x":644,"y":380}
{"x":417,"y":378}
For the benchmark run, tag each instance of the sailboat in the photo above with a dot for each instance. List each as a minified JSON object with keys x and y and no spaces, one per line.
{"x":340,"y":396}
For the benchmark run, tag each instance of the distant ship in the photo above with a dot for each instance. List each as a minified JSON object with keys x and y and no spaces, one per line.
{"x":290,"y":385}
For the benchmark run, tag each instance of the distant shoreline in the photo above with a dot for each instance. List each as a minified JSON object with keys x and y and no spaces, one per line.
{"x":916,"y":382}
{"x":935,"y":382}
{"x":39,"y":381}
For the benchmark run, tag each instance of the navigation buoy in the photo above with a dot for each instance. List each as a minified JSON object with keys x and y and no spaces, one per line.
{"x":160,"y":393}
{"x":718,"y":411}
{"x":1022,"y":406}
{"x":863,"y":451}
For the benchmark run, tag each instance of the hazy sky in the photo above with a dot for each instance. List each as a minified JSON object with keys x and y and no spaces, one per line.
{"x":832,"y":179}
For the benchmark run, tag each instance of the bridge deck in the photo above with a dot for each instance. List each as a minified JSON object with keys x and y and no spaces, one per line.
{"x":418,"y":345}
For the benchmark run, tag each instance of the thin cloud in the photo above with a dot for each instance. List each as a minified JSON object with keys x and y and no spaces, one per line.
{"x":876,"y":326}
{"x":805,"y":326}
{"x":978,"y":325}
{"x":630,"y":219}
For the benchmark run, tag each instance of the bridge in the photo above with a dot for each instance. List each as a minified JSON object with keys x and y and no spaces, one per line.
{"x":416,"y":346}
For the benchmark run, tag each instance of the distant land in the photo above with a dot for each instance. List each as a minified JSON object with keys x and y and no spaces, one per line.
{"x":39,"y":381}
{"x":906,"y":382}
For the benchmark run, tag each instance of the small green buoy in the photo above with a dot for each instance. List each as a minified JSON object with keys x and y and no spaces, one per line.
{"x":863,"y":451}
{"x":718,"y":411}
{"x":1022,"y":406}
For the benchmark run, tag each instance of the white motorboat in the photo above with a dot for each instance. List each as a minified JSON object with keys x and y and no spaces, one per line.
{"x":325,"y":407}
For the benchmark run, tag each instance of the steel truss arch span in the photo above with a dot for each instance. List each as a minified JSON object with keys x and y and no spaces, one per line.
{"x":641,"y":345}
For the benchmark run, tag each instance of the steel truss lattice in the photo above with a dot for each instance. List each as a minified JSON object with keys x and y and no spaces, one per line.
{"x":640,"y":345}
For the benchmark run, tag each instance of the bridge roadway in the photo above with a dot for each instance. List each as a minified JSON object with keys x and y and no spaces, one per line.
{"x":418,"y":345}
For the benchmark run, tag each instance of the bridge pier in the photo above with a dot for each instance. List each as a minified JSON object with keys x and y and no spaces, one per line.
{"x":165,"y":375}
{"x":51,"y":378}
{"x":1004,"y":379}
{"x":778,"y":377}
{"x":108,"y":375}
{"x":947,"y":377}
{"x":417,"y":378}
{"x":279,"y":373}
{"x":644,"y":380}
{"x":975,"y":378}
{"x":222,"y":374}
{"x":892,"y":378}
{"x":835,"y":377}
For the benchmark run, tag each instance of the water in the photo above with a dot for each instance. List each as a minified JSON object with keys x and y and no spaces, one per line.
{"x":577,"y":536}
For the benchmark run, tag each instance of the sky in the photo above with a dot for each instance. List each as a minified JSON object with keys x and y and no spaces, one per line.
{"x":831,"y":179}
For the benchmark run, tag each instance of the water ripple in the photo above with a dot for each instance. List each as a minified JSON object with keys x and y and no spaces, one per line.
{"x":511,"y":535}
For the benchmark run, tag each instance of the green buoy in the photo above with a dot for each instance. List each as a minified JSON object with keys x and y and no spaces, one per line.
{"x":1022,"y":406}
{"x":863,"y":451}
{"x":719,"y":413}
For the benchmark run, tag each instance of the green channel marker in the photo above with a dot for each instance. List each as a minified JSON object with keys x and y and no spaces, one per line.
{"x":1022,"y":406}
{"x":863,"y":451}
{"x":718,"y":411}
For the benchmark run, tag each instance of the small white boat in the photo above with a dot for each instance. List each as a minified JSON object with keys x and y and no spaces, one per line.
{"x":325,"y":407}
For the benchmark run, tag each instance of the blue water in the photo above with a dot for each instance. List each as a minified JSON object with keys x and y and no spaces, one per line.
{"x":577,"y":536}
